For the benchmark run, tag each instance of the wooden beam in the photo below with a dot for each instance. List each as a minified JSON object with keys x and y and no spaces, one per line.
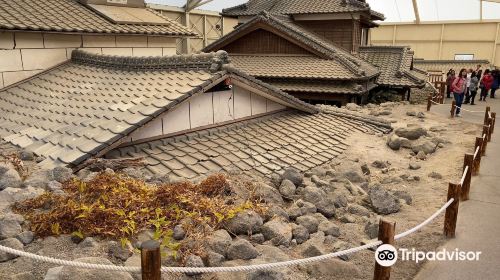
{"x":415,"y":9}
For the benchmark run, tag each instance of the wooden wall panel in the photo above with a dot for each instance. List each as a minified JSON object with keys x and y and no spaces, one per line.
{"x":340,"y":32}
{"x":264,"y":42}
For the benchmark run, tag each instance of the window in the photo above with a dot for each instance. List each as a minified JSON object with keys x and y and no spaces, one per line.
{"x":464,"y":57}
{"x":364,"y":36}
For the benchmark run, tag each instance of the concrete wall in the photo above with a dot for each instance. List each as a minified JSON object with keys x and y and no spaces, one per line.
{"x":23,"y":54}
{"x":443,"y":40}
{"x":206,"y":110}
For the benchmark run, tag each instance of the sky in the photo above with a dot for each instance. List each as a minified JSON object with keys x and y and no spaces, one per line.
{"x":394,"y":10}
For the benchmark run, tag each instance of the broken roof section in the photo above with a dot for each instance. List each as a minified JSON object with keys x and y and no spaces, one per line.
{"x":88,"y":106}
{"x":395,"y":64}
{"x":73,"y":17}
{"x":297,"y":7}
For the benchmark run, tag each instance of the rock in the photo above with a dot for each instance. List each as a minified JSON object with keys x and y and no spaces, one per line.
{"x":306,"y":207}
{"x":421,"y":155}
{"x":9,"y":229}
{"x":12,"y":217}
{"x":53,"y":273}
{"x":287,"y":188}
{"x":365,"y":169}
{"x":348,"y":219}
{"x":22,"y":276}
{"x":194,"y":261}
{"x":300,"y":234}
{"x":390,"y":180}
{"x":74,"y":273}
{"x":116,"y":250}
{"x":319,"y":171}
{"x":26,"y":237}
{"x":293,"y":175}
{"x":61,"y":174}
{"x":309,"y":222}
{"x":319,"y":183}
{"x":421,"y":115}
{"x":257,"y":238}
{"x":214,"y":259}
{"x":354,"y":177}
{"x":276,"y":211}
{"x":333,"y":269}
{"x":340,"y":200}
{"x":38,"y":179}
{"x":414,"y":166}
{"x":134,"y":261}
{"x":313,"y":247}
{"x":371,"y":229}
{"x":394,"y":142}
{"x":411,"y":113}
{"x":327,"y":207}
{"x":241,"y":250}
{"x":278,"y":231}
{"x":266,"y":275}
{"x":411,"y":133}
{"x":294,"y":211}
{"x":352,"y":107}
{"x":11,"y":243}
{"x":382,"y":201}
{"x":10,"y":178}
{"x":275,"y":180}
{"x":426,"y":146}
{"x":380,"y":164}
{"x":219,"y":241}
{"x":358,"y":210}
{"x":324,"y":204}
{"x":54,"y":186}
{"x":88,"y":242}
{"x":268,"y":194}
{"x":435,"y":175}
{"x":20,"y":194}
{"x":329,"y":228}
{"x":405,"y":143}
{"x":179,"y":232}
{"x":244,"y":223}
{"x":404,"y":195}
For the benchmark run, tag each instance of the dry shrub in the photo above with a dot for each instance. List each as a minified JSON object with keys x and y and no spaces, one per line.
{"x":118,"y":207}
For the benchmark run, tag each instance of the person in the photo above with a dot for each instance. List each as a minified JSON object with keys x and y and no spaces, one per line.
{"x":485,"y":84}
{"x":474,"y":83}
{"x":479,"y":71}
{"x":450,"y":77}
{"x":458,"y":88}
{"x":467,"y":86}
{"x":496,"y":82}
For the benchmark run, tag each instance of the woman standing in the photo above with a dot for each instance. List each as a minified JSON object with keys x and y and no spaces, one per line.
{"x":458,"y":87}
{"x":485,"y":84}
{"x":450,"y":77}
{"x":474,"y":83}
{"x":467,"y":86}
{"x":496,"y":82}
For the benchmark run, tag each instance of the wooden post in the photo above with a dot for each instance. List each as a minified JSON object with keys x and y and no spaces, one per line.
{"x":486,"y":130}
{"x":429,"y":103}
{"x":453,"y":110}
{"x":151,"y":260}
{"x":468,"y":161}
{"x":477,"y":160}
{"x":494,"y":116}
{"x":486,"y":115}
{"x":386,"y":232}
{"x":490,"y":128}
{"x":450,"y":218}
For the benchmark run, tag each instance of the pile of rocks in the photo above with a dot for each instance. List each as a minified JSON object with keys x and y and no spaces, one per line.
{"x":417,"y":139}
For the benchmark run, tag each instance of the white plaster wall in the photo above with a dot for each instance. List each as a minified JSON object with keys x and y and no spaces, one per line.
{"x":201,"y":110}
{"x":242,"y":103}
{"x":259,"y":105}
{"x":272,"y":106}
{"x":23,"y":54}
{"x":223,"y":106}
{"x":176,"y":120}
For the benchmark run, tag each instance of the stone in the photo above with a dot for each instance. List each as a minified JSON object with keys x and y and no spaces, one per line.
{"x":425,"y":146}
{"x":352,"y":107}
{"x":294,"y":211}
{"x":404,"y":195}
{"x":380,"y":164}
{"x":61,"y":174}
{"x":246,"y":222}
{"x":329,"y":228}
{"x":354,"y":176}
{"x":411,"y":113}
{"x":278,"y":231}
{"x":414,"y":166}
{"x":300,"y":234}
{"x":38,"y":179}
{"x":241,"y":249}
{"x":313,"y":247}
{"x":257,"y":238}
{"x":358,"y":210}
{"x":309,"y":222}
{"x":134,"y":261}
{"x":405,"y":143}
{"x":219,"y":241}
{"x":287,"y":188}
{"x":268,"y":194}
{"x":411,"y":133}
{"x":22,"y":276}
{"x":319,"y":171}
{"x":266,"y":275}
{"x":365,"y":169}
{"x":276,"y":211}
{"x":53,"y":273}
{"x":394,"y":142}
{"x":435,"y":175}
{"x":179,"y":232}
{"x":9,"y":229}
{"x":348,"y":219}
{"x":382,"y":201}
{"x":21,"y":194}
{"x":10,"y":179}
{"x":27,"y":156}
{"x":306,"y":207}
{"x":74,"y":273}
{"x":12,"y":217}
{"x":26,"y":237}
{"x":293,"y":175}
{"x":214,"y":259}
{"x":276,"y":179}
{"x":11,"y":243}
{"x":324,"y":204}
{"x":194,"y":261}
{"x":340,"y":200}
{"x":54,"y":186}
{"x":371,"y":229}
{"x":421,"y":155}
{"x":88,"y":242}
{"x":120,"y":252}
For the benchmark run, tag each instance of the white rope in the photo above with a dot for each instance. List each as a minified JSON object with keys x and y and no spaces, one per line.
{"x":426,"y":222}
{"x":477,"y":152}
{"x":438,"y":104}
{"x":464,"y":175}
{"x":468,"y":110}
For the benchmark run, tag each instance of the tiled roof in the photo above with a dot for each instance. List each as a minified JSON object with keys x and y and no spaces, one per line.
{"x":265,"y":145}
{"x":287,"y":7}
{"x":89,"y":104}
{"x":445,"y":65}
{"x":341,"y":58}
{"x":72,"y":16}
{"x":289,"y":85}
{"x":395,"y":64}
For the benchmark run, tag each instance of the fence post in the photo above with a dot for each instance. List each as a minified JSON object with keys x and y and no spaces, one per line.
{"x":450,"y":218}
{"x":429,"y":103}
{"x":453,"y":104}
{"x":494,"y":116}
{"x":151,"y":260}
{"x":486,"y":130}
{"x":490,"y":128}
{"x":468,"y":161}
{"x":386,"y":232}
{"x":477,"y":160}
{"x":486,"y":115}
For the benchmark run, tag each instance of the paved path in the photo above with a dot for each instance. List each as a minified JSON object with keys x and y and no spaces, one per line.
{"x":478,"y":227}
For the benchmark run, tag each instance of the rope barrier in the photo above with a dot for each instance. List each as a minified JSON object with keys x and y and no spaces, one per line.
{"x":464,"y":175}
{"x":476,"y":152}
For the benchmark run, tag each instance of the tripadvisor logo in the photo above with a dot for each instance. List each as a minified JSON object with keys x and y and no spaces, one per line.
{"x":386,"y":255}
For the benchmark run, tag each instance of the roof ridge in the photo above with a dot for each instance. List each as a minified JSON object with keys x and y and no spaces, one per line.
{"x":212,"y":61}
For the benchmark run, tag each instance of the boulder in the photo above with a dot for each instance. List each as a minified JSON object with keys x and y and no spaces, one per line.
{"x":319,"y":171}
{"x":53,"y":273}
{"x":411,"y":113}
{"x":382,"y":201}
{"x":354,"y":176}
{"x":371,"y":229}
{"x":257,"y":238}
{"x":278,"y":231}
{"x":324,"y":203}
{"x":39,"y":179}
{"x":380,"y":164}
{"x":404,"y":195}
{"x":421,"y":115}
{"x":365,"y":169}
{"x":340,"y":200}
{"x":425,"y":146}
{"x":414,"y":166}
{"x":421,"y":155}
{"x":293,"y":175}
{"x":394,"y":142}
{"x":61,"y":174}
{"x":74,"y":273}
{"x":241,"y":250}
{"x":268,"y":194}
{"x":219,"y":241}
{"x":411,"y":133}
{"x":329,"y":228}
{"x":20,"y":194}
{"x":244,"y":223}
{"x":9,"y":229}
{"x":26,"y":237}
{"x":314,"y":246}
{"x":287,"y":188}
{"x":266,"y":275}
{"x":11,"y":243}
{"x":276,"y":211}
{"x":27,"y":156}
{"x":300,"y":234}
{"x":10,"y":178}
{"x":309,"y":222}
{"x":214,"y":259}
{"x":435,"y":175}
{"x":194,"y":261}
{"x":347,"y":219}
{"x":120,"y":252}
{"x":179,"y":233}
{"x":358,"y":210}
{"x":88,"y":242}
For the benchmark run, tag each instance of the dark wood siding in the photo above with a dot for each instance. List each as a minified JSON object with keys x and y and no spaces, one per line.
{"x":343,"y":33}
{"x":263,"y":42}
